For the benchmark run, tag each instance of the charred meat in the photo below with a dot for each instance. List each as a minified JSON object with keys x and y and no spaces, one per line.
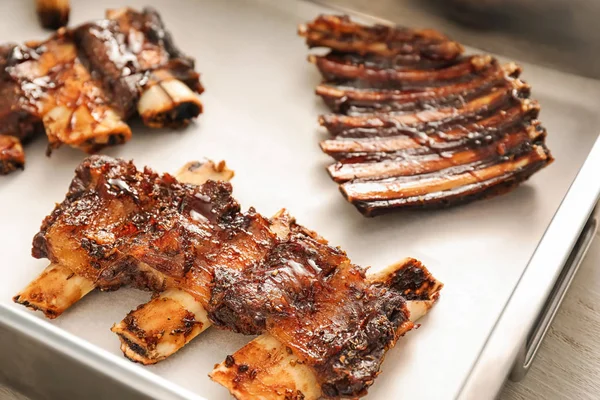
{"x":238,"y":270}
{"x":11,"y":154}
{"x":49,"y":84}
{"x":266,"y":369}
{"x":82,"y":85}
{"x":416,"y":124}
{"x":141,"y":68}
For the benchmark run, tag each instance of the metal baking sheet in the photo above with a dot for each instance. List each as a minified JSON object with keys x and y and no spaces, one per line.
{"x":260,"y":116}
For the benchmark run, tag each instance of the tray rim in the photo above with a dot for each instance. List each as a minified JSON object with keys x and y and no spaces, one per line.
{"x":496,"y":358}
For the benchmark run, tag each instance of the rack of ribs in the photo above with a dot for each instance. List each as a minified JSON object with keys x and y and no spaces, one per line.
{"x":418,"y":124}
{"x":324,"y":321}
{"x":82,"y":85}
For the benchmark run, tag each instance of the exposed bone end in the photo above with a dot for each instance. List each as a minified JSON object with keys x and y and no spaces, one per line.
{"x":168,"y":103}
{"x":54,"y":291}
{"x":12,"y":156}
{"x":265,"y":369}
{"x":53,"y":14}
{"x":162,"y":326}
{"x":529,"y":106}
{"x":116,"y":13}
{"x":536,"y":131}
{"x":198,"y":172}
{"x":82,"y":128}
{"x":415,"y":282}
{"x":58,"y":287}
{"x":165,"y":324}
{"x":512,"y":69}
{"x":302,"y":30}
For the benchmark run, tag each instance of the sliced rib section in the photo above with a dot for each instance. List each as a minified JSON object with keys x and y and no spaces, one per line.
{"x":420,"y":130}
{"x":81,"y":85}
{"x":264,"y":368}
{"x":53,"y":86}
{"x":12,"y":156}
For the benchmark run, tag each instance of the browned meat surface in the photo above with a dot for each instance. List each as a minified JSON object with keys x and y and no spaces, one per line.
{"x":409,"y":46}
{"x":45,"y":82}
{"x":131,"y":51}
{"x":122,"y":226}
{"x":421,"y":134}
{"x":81,"y":85}
{"x":118,"y":225}
{"x":18,"y":116}
{"x":53,"y":14}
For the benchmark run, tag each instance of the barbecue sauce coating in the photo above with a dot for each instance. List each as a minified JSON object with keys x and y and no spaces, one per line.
{"x":312,"y":299}
{"x":11,"y":154}
{"x":118,"y":225}
{"x":18,"y":116}
{"x":416,"y":125}
{"x":125,"y":50}
{"x":122,"y":226}
{"x":404,"y":45}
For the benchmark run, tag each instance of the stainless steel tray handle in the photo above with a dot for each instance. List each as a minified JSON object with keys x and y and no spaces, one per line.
{"x":529,"y":349}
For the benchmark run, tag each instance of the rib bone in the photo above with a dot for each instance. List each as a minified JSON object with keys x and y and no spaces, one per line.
{"x":332,"y":68}
{"x":53,"y":14}
{"x":167,"y":101}
{"x":12,"y":156}
{"x":141,"y":68}
{"x":266,"y":369}
{"x":54,"y":290}
{"x":58,"y":287}
{"x":341,"y":34}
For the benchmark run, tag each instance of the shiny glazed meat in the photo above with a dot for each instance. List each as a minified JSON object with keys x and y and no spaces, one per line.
{"x":122,"y":226}
{"x":81,"y":85}
{"x":418,"y":124}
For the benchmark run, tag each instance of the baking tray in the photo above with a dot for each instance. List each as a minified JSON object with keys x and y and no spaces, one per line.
{"x":261,"y":116}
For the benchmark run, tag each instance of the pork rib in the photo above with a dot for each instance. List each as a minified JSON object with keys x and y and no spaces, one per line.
{"x":343,"y":35}
{"x":122,"y":226}
{"x":58,"y":288}
{"x":12,"y":156}
{"x":421,"y":134}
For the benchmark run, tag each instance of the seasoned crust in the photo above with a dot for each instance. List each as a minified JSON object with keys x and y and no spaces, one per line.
{"x":125,"y":219}
{"x":119,"y":225}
